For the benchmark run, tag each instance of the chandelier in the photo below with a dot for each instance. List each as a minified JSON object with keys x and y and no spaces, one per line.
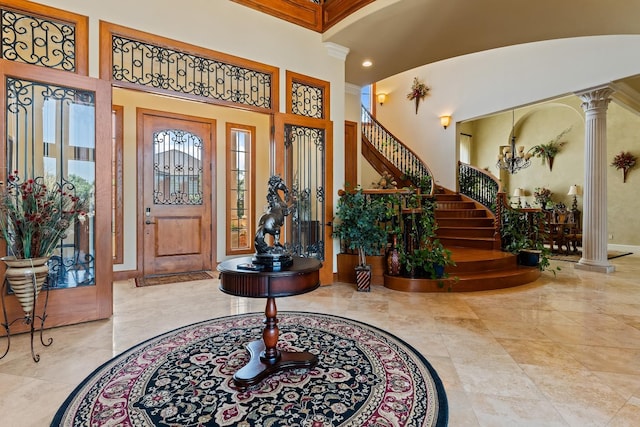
{"x":510,"y":160}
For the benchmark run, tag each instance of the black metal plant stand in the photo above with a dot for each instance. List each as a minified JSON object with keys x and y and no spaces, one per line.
{"x":29,"y":319}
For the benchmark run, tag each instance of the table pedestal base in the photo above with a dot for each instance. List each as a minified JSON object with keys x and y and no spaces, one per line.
{"x":259,"y":368}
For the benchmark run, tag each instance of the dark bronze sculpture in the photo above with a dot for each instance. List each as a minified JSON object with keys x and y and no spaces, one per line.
{"x":274,"y":257}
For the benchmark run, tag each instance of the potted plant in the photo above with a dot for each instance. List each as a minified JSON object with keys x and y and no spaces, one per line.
{"x":34,"y":216}
{"x":361,"y":226}
{"x":523,"y":234}
{"x":424,"y":255}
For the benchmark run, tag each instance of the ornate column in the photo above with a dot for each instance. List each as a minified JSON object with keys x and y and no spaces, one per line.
{"x":594,"y":223}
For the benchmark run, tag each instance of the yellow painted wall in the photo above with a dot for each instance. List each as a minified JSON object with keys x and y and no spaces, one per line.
{"x":541,"y":123}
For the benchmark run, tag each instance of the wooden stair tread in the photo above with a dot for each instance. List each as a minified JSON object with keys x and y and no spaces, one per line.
{"x":465,"y":238}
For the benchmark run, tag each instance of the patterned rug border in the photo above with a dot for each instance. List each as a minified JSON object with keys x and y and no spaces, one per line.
{"x":443,"y":412}
{"x":164,"y":279}
{"x":576,"y":257}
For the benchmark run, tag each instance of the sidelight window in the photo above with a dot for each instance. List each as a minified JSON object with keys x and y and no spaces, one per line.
{"x":240,"y":188}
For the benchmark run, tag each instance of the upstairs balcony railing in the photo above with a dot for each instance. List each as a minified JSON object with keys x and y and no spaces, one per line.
{"x":407,"y":163}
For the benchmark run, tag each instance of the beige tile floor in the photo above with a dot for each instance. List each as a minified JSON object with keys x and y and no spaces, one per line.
{"x":563,"y":351}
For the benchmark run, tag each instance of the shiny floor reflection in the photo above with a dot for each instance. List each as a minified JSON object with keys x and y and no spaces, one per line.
{"x":562,"y":351}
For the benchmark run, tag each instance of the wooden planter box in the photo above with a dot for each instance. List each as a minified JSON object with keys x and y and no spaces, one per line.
{"x":347,"y":265}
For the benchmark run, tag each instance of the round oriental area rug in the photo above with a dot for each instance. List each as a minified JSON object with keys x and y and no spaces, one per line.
{"x":365,"y":377}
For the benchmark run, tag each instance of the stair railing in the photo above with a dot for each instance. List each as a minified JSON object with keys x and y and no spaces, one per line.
{"x":396,"y":153}
{"x":479,"y":185}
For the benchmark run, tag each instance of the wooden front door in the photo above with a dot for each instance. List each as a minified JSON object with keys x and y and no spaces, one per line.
{"x":176,"y":185}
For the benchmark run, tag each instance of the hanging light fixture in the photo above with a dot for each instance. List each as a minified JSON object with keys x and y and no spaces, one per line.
{"x":509,"y":159}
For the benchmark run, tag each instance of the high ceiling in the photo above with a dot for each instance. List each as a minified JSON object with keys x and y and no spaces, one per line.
{"x":398,"y":35}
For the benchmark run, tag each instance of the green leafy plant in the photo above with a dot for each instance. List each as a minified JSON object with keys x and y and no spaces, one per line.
{"x":362,"y":223}
{"x":426,"y":256}
{"x":523,"y":230}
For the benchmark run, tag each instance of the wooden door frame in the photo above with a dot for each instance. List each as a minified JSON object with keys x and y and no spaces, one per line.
{"x":140,"y":225}
{"x":280,"y":119}
{"x":350,"y":154}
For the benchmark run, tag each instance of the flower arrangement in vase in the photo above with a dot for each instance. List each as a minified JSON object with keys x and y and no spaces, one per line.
{"x":625,"y":161}
{"x":418,"y":91}
{"x":34,"y":217}
{"x":542,"y":196}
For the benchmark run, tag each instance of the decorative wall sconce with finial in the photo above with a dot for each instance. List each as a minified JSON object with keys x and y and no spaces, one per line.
{"x":382,"y":98}
{"x":445,"y":121}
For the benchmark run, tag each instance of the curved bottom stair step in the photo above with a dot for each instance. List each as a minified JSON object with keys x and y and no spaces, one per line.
{"x":475,"y":270}
{"x":465,"y":283}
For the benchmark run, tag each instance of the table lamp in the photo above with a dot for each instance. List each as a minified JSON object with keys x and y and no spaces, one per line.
{"x":574,"y":191}
{"x":519,"y":192}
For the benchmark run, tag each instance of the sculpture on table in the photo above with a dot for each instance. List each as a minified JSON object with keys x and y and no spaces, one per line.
{"x":273,"y":257}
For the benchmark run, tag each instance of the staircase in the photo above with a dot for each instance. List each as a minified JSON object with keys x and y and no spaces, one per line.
{"x":465,"y":227}
{"x":467,"y":230}
{"x":462,"y":222}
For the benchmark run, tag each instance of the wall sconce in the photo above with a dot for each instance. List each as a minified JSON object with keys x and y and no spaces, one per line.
{"x":382,"y":97}
{"x":574,"y":191}
{"x":445,"y":121}
{"x":519,"y":193}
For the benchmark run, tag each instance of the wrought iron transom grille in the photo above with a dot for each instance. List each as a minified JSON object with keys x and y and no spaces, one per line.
{"x":38,"y":41}
{"x":177,"y":168}
{"x":305,"y":160}
{"x":307,"y":100}
{"x":154,"y":66}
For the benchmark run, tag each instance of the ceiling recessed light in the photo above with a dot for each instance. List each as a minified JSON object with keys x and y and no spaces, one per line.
{"x":367,"y":63}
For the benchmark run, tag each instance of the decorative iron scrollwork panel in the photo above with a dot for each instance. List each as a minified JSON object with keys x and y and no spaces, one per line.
{"x":159,"y":67}
{"x":307,"y":100}
{"x":38,"y":41}
{"x":177,"y":168}
{"x":304,"y":152}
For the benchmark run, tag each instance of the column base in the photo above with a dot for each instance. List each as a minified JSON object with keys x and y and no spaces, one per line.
{"x":584,"y":264}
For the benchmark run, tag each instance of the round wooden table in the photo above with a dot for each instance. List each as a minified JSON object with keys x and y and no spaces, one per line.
{"x":265,"y":359}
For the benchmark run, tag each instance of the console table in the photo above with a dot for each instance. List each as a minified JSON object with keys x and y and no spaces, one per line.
{"x":265,"y":359}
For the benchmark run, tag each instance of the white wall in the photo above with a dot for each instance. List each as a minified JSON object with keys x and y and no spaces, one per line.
{"x":475,"y":85}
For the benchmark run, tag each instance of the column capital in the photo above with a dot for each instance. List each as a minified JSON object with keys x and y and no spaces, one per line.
{"x":595,"y":98}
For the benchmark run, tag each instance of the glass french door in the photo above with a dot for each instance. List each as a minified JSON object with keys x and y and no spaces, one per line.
{"x":304,"y":159}
{"x":57,"y":127}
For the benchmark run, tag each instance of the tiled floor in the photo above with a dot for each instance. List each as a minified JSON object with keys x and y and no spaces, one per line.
{"x":563,"y":351}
